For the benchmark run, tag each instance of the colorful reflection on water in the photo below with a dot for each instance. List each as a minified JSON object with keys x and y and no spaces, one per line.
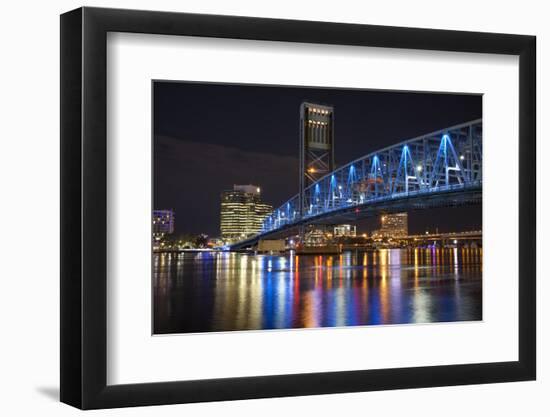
{"x":223,"y":291}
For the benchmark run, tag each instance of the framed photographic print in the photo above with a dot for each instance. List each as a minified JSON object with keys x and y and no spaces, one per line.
{"x":256,"y":208}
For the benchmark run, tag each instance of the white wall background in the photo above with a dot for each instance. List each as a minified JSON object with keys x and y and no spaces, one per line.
{"x":29,"y":178}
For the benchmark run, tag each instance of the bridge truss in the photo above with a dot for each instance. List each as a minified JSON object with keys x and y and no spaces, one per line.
{"x":449,"y":160}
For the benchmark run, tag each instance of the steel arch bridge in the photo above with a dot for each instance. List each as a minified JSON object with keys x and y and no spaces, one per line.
{"x":436,"y":169}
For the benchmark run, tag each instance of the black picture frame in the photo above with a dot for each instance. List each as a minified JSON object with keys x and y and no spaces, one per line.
{"x":84,"y":207}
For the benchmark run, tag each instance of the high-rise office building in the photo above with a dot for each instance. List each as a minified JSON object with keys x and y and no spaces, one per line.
{"x":163,"y":224}
{"x":242,"y":212}
{"x":163,"y":221}
{"x":393,"y":225}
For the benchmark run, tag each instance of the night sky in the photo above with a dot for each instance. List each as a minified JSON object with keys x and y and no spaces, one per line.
{"x":208,"y":137}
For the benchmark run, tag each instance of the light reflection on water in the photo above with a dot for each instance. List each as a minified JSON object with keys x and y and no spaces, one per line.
{"x":222,"y":291}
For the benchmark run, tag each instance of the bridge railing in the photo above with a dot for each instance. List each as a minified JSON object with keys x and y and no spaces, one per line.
{"x":449,"y":159}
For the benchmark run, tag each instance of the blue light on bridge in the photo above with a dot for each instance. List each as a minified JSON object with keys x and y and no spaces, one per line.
{"x":428,"y":165}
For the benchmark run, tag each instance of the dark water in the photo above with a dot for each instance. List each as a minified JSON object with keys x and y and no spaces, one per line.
{"x":213,"y":291}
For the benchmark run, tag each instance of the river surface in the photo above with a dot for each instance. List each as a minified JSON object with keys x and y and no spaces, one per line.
{"x":225,"y":291}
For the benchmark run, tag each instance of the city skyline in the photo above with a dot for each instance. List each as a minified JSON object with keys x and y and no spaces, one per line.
{"x":285,"y":182}
{"x":184,"y":167}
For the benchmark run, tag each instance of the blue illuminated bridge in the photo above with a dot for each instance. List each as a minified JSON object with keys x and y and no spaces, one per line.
{"x":442,"y":168}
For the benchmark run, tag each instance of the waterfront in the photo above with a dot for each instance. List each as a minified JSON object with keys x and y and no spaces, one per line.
{"x":224,"y":291}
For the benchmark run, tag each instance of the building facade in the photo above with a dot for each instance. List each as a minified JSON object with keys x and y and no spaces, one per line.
{"x":163,"y":224}
{"x":242,"y":212}
{"x":393,"y":226}
{"x":163,"y":221}
{"x":345,"y":230}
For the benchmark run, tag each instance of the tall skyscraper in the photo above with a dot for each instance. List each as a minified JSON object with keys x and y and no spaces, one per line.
{"x":163,"y":221}
{"x":163,"y":224}
{"x":242,"y":212}
{"x":393,"y":225}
